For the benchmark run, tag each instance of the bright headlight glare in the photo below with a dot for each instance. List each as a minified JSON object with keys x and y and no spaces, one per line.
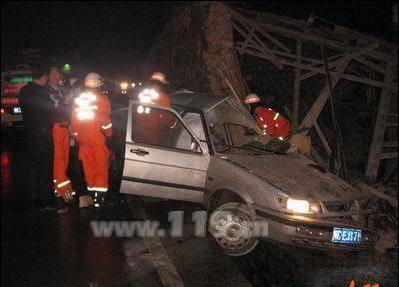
{"x":300,"y":206}
{"x":124,"y":85}
{"x":314,"y":207}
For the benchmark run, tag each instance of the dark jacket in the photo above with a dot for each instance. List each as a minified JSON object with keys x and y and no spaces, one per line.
{"x":60,"y":112}
{"x":36,"y":106}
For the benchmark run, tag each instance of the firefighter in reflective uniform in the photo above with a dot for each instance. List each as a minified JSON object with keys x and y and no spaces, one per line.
{"x":75,"y":170}
{"x":158,"y":82}
{"x":152,"y":123}
{"x":268,"y":120}
{"x":60,"y":133}
{"x":91,"y":126}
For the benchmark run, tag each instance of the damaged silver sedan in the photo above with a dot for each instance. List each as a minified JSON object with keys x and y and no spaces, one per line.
{"x":214,"y":154}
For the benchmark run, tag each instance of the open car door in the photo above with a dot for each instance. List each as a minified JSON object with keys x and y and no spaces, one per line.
{"x":163,"y":157}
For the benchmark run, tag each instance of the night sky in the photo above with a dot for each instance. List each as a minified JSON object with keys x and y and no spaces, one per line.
{"x":114,"y":37}
{"x":108,"y":36}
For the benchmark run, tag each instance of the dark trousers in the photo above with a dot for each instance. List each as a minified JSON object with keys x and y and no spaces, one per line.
{"x":75,"y":171}
{"x":41,"y":153}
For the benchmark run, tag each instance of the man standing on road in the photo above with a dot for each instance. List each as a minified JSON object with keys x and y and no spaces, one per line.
{"x":35,"y":108}
{"x":75,"y":168}
{"x":60,"y":116}
{"x":91,"y":126}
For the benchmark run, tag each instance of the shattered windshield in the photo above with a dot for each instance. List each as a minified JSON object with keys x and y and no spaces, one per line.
{"x":232,"y":128}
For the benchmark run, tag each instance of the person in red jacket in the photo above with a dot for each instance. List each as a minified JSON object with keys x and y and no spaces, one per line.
{"x":158,"y":82}
{"x":269,"y":121}
{"x":152,"y":123}
{"x":91,"y":126}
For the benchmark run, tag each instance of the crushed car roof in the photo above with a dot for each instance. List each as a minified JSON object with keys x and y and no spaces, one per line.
{"x":190,"y":99}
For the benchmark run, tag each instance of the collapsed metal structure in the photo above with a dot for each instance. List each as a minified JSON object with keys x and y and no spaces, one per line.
{"x":203,"y":46}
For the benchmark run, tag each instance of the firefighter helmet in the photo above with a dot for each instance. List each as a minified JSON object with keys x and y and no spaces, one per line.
{"x":160,"y":77}
{"x":93,"y":80}
{"x":252,"y":98}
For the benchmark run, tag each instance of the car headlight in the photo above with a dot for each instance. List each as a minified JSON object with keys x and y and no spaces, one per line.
{"x":300,"y":206}
{"x":297,"y":205}
{"x":124,"y":85}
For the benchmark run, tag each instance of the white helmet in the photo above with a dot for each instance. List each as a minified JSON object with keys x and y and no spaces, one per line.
{"x":158,"y":76}
{"x":252,"y":98}
{"x":93,"y":80}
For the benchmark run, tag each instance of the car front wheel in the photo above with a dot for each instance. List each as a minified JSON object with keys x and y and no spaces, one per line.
{"x":232,"y":226}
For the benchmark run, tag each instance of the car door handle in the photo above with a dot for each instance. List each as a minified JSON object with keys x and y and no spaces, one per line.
{"x":139,"y":151}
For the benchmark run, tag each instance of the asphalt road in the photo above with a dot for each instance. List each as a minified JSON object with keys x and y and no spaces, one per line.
{"x":46,"y":249}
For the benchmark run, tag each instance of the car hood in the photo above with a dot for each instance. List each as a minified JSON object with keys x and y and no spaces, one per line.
{"x":295,"y":175}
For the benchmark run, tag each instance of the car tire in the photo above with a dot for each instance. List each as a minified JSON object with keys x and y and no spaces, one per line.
{"x":231,"y":225}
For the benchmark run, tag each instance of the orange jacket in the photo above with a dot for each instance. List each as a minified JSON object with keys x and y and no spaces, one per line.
{"x":152,"y":124}
{"x":90,"y":119}
{"x":163,"y":100}
{"x":272,"y":123}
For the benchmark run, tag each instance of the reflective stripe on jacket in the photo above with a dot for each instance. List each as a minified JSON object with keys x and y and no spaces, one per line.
{"x":92,"y":121}
{"x":272,"y":123}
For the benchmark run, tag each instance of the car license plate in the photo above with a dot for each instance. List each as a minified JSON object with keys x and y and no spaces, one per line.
{"x":346,"y":235}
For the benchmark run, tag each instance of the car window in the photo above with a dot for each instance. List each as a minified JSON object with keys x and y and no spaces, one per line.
{"x":230,"y":118}
{"x":219,"y":136}
{"x":159,"y":127}
{"x":194,"y":121}
{"x":240,"y":135}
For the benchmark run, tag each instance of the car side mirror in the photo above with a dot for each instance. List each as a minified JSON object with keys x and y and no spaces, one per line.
{"x":194,"y":146}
